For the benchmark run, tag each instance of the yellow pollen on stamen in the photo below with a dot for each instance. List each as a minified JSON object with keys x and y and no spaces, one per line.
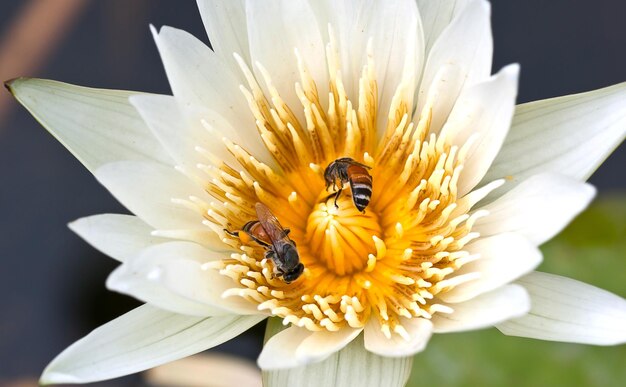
{"x":388,"y":262}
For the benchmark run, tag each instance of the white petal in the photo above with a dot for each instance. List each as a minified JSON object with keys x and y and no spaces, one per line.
{"x":484,"y":311}
{"x":225,"y":23}
{"x":465,"y":44}
{"x":199,"y":77}
{"x":171,"y":276}
{"x":484,"y":110}
{"x":275,"y":29}
{"x":397,"y":44}
{"x":351,"y":366}
{"x":147,"y":190}
{"x":320,"y":345}
{"x":436,"y":15}
{"x":502,"y":259}
{"x":180,"y":130}
{"x":279,"y":352}
{"x":570,"y":135}
{"x":398,"y":48}
{"x":142,"y":338}
{"x":118,"y":236}
{"x":418,"y":329}
{"x":297,"y":346}
{"x":567,"y":310}
{"x":98,"y":126}
{"x":538,"y":208}
{"x":196,"y":74}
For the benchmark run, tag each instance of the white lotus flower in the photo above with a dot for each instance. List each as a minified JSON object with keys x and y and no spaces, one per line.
{"x":466,"y":186}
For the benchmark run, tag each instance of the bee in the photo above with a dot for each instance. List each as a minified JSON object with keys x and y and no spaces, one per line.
{"x":268,"y":232}
{"x":345,"y":170}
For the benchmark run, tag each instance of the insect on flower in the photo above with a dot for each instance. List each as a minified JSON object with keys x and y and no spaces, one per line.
{"x":268,"y":232}
{"x":446,"y":244}
{"x":346,"y":170}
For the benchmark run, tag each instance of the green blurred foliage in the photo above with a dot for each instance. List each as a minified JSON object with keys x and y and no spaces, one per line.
{"x":592,"y":249}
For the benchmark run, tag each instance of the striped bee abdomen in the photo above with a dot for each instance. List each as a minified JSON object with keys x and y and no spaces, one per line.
{"x":345,"y":170}
{"x":361,"y":186}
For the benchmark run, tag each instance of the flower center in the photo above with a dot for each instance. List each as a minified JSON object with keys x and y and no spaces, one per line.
{"x":388,"y":262}
{"x":341,"y":236}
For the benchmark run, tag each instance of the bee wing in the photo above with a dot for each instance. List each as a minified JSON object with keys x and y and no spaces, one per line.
{"x":270,"y":224}
{"x":353,"y":162}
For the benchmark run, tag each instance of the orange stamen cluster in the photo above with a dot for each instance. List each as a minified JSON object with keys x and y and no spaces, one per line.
{"x":390,"y":261}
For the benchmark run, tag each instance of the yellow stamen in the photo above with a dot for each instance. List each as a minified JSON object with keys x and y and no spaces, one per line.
{"x":388,"y":262}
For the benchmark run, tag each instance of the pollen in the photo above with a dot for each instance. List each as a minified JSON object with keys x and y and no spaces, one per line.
{"x":389,"y":261}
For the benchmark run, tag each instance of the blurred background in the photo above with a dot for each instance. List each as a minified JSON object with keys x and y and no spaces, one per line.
{"x":52,"y":283}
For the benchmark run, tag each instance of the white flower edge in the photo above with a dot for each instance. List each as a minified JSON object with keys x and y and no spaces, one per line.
{"x":97,"y":126}
{"x":154,"y":276}
{"x":116,"y":235}
{"x":537,"y":208}
{"x":484,"y":311}
{"x":339,"y":368}
{"x":567,"y":310}
{"x":570,"y":135}
{"x":140,"y":339}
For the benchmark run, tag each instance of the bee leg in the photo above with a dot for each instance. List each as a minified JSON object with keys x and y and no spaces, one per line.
{"x":232,"y":233}
{"x":287,"y":231}
{"x":337,"y":196}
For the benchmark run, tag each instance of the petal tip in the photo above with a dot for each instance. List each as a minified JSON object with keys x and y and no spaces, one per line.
{"x":512,"y":69}
{"x":12,"y":84}
{"x":590,"y":191}
{"x":54,"y":377}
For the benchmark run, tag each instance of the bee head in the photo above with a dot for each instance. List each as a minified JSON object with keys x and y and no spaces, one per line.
{"x":293,"y":275}
{"x":290,"y":256}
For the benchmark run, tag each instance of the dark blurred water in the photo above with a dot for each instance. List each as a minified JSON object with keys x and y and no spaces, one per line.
{"x":52,"y":283}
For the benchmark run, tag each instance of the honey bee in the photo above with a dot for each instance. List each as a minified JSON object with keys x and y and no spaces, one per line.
{"x":346,"y":170}
{"x":268,"y":232}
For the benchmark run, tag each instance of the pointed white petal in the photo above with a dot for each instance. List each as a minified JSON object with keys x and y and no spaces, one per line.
{"x":465,"y":44}
{"x":297,"y":346}
{"x":320,"y":345}
{"x":280,"y":27}
{"x":344,"y":369}
{"x":396,"y":36}
{"x":147,"y":190}
{"x":436,"y":15}
{"x":570,"y":135}
{"x":180,"y":130}
{"x":502,"y":259}
{"x":197,"y":76}
{"x":484,"y":110}
{"x":567,"y":310}
{"x":98,"y":126}
{"x":225,"y":23}
{"x":118,"y":236}
{"x":171,"y":276}
{"x":398,"y":49}
{"x":538,"y":208}
{"x":154,"y":293}
{"x":484,"y":311}
{"x":280,"y":351}
{"x":418,"y":329}
{"x":143,"y":338}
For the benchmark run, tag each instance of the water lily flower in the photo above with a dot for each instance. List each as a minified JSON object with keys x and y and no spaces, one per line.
{"x":465,"y":187}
